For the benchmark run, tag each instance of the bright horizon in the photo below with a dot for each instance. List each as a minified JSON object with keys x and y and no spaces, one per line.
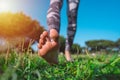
{"x":96,"y":19}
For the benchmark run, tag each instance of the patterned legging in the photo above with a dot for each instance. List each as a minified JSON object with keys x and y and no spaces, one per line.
{"x":53,"y":18}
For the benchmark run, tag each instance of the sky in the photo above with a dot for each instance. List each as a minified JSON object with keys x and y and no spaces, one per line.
{"x":97,"y":19}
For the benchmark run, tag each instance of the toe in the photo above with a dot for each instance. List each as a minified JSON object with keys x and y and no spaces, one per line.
{"x":39,"y":46}
{"x":44,"y":35}
{"x":54,"y":34}
{"x":42,"y":41}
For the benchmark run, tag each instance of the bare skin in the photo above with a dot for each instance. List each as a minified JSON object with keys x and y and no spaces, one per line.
{"x":48,"y":47}
{"x":68,"y":56}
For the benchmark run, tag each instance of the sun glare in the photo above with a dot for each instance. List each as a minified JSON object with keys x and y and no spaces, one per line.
{"x":4,"y":6}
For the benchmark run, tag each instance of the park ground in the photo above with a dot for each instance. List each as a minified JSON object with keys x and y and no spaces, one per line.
{"x":28,"y":66}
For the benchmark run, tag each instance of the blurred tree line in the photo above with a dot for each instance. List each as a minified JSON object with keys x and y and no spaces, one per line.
{"x":18,"y":30}
{"x":103,"y":45}
{"x":75,"y":48}
{"x":92,"y":46}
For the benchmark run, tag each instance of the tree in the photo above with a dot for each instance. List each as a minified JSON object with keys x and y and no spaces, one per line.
{"x":62,"y":44}
{"x":117,"y":44}
{"x":98,"y":45}
{"x":18,"y":30}
{"x":76,"y":49}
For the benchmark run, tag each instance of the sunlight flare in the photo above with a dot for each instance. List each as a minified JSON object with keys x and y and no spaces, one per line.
{"x":4,"y":5}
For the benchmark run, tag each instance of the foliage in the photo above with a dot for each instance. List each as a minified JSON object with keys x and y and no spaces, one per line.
{"x":62,"y":44}
{"x":97,"y":45}
{"x":85,"y":67}
{"x":18,"y":29}
{"x":76,"y":48}
{"x":118,"y":43}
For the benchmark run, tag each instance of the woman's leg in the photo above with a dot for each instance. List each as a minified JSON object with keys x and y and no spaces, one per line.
{"x":72,"y":24}
{"x":53,"y":15}
{"x":48,"y":44}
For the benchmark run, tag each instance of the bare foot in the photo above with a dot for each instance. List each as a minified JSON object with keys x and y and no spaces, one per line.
{"x":68,"y":56}
{"x":48,"y":46}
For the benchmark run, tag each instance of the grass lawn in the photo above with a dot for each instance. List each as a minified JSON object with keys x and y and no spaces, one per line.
{"x":29,"y":66}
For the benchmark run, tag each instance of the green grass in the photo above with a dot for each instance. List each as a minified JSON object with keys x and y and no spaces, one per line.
{"x":29,"y":66}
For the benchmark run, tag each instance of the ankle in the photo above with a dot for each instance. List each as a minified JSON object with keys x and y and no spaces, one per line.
{"x":67,"y":52}
{"x":68,"y":55}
